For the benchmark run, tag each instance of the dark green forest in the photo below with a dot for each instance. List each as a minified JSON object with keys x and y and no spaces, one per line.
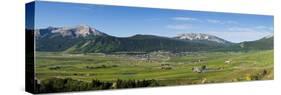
{"x":68,"y":84}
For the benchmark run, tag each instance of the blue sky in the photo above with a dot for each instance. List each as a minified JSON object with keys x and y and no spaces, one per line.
{"x":128,"y":21}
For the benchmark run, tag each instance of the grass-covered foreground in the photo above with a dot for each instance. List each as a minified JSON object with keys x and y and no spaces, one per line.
{"x":162,"y":68}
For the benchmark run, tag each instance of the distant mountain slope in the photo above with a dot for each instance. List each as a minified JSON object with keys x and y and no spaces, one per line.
{"x":266,"y":43}
{"x":140,"y":43}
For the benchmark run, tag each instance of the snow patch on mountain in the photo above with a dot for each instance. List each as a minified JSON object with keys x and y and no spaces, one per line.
{"x":200,"y":36}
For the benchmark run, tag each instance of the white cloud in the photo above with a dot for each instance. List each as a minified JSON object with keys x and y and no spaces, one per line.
{"x":214,"y":21}
{"x":240,"y":36}
{"x":251,"y":29}
{"x":185,"y":19}
{"x":179,"y":26}
{"x":241,"y":29}
{"x":261,"y":27}
{"x":231,"y":22}
{"x":267,"y":28}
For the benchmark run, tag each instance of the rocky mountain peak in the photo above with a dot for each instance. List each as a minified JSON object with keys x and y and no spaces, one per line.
{"x":74,"y":32}
{"x":200,"y":36}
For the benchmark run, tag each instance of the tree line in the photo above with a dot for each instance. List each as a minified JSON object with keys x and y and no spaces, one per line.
{"x":69,"y":84}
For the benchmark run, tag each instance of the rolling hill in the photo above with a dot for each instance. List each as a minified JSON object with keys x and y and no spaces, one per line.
{"x":265,"y":43}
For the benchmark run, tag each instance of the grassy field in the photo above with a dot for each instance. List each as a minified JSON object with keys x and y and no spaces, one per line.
{"x":166,"y":68}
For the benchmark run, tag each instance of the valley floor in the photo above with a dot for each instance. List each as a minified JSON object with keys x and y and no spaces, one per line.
{"x":166,"y":68}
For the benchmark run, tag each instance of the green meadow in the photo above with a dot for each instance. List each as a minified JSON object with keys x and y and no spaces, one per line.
{"x":164,"y":67}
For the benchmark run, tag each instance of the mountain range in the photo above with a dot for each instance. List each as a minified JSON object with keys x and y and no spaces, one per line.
{"x":84,"y":39}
